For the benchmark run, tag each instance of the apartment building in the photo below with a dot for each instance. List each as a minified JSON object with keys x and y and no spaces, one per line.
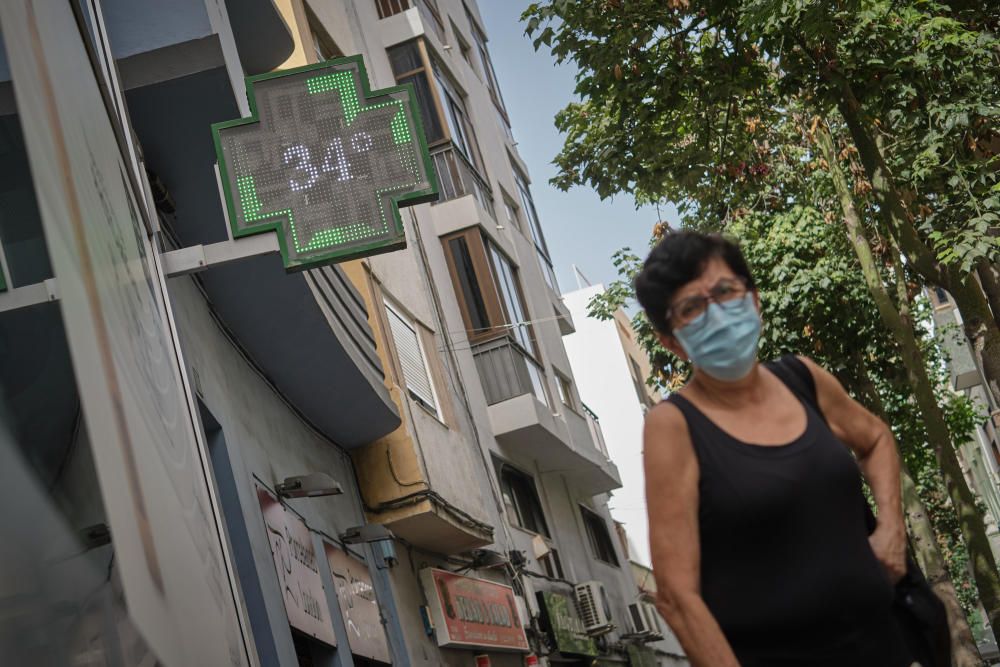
{"x":381,"y":461}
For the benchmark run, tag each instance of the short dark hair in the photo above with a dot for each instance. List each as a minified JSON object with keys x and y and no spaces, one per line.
{"x":677,"y":260}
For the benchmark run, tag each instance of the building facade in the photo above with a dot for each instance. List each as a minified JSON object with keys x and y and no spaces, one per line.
{"x":383,"y":461}
{"x":611,"y":370}
{"x":980,"y":457}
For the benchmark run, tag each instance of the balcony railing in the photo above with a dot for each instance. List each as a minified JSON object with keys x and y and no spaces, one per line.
{"x":507,"y":371}
{"x":595,"y":431}
{"x":457,"y":178}
{"x":428,"y":8}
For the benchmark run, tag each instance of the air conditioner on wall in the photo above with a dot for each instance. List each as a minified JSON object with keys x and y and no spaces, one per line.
{"x":645,"y":621}
{"x":594,"y":609}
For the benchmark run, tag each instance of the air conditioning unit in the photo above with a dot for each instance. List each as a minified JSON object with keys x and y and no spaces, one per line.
{"x":594,"y":609}
{"x":646,"y":621}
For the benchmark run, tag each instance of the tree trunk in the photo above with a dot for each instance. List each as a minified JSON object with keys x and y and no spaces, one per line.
{"x":965,"y":653}
{"x":970,"y":519}
{"x":989,"y":276}
{"x":980,"y":326}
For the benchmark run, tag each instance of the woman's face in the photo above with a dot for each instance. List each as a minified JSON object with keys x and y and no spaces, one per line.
{"x":716,"y":270}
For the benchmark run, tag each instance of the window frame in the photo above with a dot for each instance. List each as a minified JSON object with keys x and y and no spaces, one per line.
{"x":435,"y":408}
{"x":427,"y":71}
{"x":534,"y":225}
{"x":486,"y":63}
{"x":531,"y":487}
{"x":591,"y":519}
{"x":564,"y":385}
{"x":480,"y":247}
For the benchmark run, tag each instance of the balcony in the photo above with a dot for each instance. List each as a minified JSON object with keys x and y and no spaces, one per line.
{"x":429,"y":12}
{"x":526,"y":426}
{"x":458,"y":178}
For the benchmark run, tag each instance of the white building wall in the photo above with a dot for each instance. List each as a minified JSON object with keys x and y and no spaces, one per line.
{"x":601,"y":367}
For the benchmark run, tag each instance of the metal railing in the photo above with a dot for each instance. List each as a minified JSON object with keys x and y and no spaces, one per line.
{"x":507,"y":371}
{"x":428,"y":9}
{"x":458,"y":178}
{"x":595,"y":430}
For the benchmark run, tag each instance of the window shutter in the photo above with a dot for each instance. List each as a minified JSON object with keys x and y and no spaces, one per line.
{"x":411,"y":358}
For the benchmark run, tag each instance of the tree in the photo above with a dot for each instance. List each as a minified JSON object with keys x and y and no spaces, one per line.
{"x":708,"y":80}
{"x":700,"y":105}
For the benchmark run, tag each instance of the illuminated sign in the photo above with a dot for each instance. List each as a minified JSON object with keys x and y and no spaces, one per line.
{"x":324,"y":162}
{"x":470,"y":612}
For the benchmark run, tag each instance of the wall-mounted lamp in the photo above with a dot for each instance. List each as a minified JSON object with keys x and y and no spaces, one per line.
{"x":312,"y":485}
{"x":381,"y":539}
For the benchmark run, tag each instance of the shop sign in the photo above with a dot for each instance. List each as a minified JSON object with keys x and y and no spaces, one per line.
{"x":358,"y":604}
{"x":564,"y":624}
{"x":297,"y":568}
{"x":641,"y":656}
{"x":471,"y":612}
{"x":324,"y":162}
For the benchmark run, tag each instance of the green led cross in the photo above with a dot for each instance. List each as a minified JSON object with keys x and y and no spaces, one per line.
{"x":324,"y":162}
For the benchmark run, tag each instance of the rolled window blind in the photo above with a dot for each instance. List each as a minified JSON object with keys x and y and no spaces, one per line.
{"x":411,"y":357}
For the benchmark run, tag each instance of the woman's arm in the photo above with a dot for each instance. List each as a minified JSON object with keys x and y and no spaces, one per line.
{"x":672,"y":506}
{"x":872,"y":441}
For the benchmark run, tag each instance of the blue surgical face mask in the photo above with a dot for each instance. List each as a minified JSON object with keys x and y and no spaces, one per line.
{"x":722,"y":341}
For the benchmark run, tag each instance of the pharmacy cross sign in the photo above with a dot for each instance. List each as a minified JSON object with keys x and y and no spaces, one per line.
{"x":325,"y":162}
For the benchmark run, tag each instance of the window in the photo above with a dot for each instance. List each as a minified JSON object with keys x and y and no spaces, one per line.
{"x":565,"y":391}
{"x":521,"y":499}
{"x":323,"y":45}
{"x":487,"y":64}
{"x":511,"y":211}
{"x":412,"y":360}
{"x":387,"y":8}
{"x":489,"y":289}
{"x":535,"y":228}
{"x":510,"y":292}
{"x":463,"y":136}
{"x":409,"y":66}
{"x":463,"y":46}
{"x":552,"y":565}
{"x":600,"y":539}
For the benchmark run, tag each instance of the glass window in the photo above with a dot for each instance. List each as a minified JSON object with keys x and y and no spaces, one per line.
{"x":469,"y":284}
{"x":408,"y":66}
{"x":510,"y":295}
{"x":521,"y":499}
{"x":535,"y":228}
{"x":565,"y":391}
{"x":462,"y":133}
{"x":552,"y":565}
{"x":600,"y":539}
{"x":487,"y":65}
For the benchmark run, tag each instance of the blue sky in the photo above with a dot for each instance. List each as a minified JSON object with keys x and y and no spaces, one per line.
{"x":579,"y":227}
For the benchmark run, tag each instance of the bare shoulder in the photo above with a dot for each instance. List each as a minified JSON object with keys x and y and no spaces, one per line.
{"x":827,"y":385}
{"x":665,"y":435}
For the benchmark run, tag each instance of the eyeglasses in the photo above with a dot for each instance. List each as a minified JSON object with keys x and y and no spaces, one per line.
{"x":728,"y":293}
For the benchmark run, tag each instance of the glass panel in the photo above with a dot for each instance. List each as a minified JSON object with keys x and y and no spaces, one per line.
{"x":528,"y":205}
{"x":405,"y":58}
{"x":537,"y":382}
{"x":425,"y":105}
{"x":511,"y":297}
{"x":472,"y":295}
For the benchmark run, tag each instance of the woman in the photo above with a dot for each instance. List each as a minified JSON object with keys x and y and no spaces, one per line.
{"x":758,"y":533}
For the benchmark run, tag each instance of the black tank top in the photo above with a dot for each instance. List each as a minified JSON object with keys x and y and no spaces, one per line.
{"x":786,"y":567}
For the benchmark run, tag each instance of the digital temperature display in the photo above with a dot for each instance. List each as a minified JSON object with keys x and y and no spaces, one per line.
{"x":324,"y":162}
